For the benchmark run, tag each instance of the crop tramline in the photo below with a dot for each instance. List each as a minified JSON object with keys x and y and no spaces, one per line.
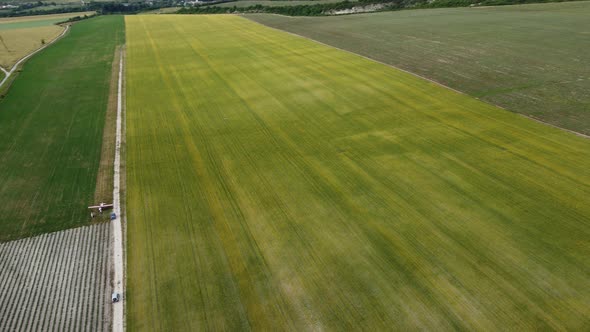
{"x":103,"y":275}
{"x":98,"y":279}
{"x":4,"y":264}
{"x":56,"y":297}
{"x":86,"y":291}
{"x":83,"y":285}
{"x":59,"y":295}
{"x":89,"y":280}
{"x":50,"y":258}
{"x":70,"y":290}
{"x":78,"y":283}
{"x":40,"y":254}
{"x":11,"y":287}
{"x":90,"y":293}
{"x":47,"y":258}
{"x":44,"y":262}
{"x":49,"y":296}
{"x":8,"y":256}
{"x":107,"y":269}
{"x":56,"y":281}
{"x":34,"y":255}
{"x":5,"y":282}
{"x":103,"y":300}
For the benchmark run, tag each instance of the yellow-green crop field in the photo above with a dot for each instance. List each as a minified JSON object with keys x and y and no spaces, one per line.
{"x":274,"y":183}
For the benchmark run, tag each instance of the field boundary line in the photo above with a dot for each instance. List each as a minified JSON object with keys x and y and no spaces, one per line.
{"x":18,"y":63}
{"x":546,"y":123}
{"x":417,"y":75}
{"x":119,"y":269}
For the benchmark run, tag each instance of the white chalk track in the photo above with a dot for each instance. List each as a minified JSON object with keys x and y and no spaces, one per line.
{"x":118,"y":258}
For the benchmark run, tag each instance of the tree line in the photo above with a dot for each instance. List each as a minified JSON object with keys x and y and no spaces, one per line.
{"x":321,"y":9}
{"x":104,"y":8}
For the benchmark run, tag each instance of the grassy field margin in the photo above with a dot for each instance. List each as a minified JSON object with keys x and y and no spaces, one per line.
{"x":104,"y":177}
{"x":51,"y":131}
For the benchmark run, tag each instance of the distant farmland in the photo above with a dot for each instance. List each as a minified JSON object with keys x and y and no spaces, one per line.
{"x":51,"y":131}
{"x":20,"y":36}
{"x":38,"y":20}
{"x":273,"y":3}
{"x":277,"y":184}
{"x":530,"y":59}
{"x":56,"y":282}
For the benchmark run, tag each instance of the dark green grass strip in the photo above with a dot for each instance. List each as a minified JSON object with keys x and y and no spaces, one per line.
{"x":51,"y":123}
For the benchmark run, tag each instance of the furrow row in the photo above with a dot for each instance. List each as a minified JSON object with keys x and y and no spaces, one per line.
{"x":56,"y":282}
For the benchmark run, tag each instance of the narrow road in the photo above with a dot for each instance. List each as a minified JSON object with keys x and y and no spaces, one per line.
{"x":9,"y":73}
{"x":119,"y":268}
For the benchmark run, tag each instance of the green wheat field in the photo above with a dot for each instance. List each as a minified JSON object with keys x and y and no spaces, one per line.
{"x":278,"y":184}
